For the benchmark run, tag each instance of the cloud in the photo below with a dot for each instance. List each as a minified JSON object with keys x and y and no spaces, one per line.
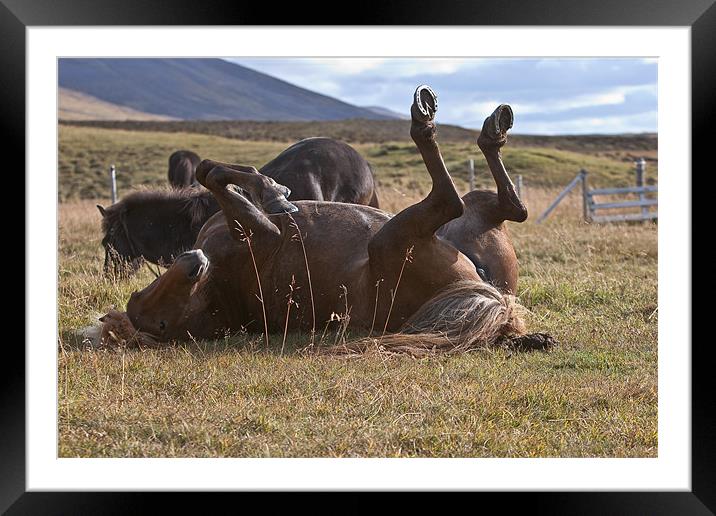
{"x":348,"y":66}
{"x":559,"y":94}
{"x":637,"y":123}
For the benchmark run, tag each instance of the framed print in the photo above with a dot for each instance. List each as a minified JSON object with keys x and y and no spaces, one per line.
{"x":591,"y":398}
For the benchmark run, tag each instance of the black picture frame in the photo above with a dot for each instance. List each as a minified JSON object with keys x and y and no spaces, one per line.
{"x":17,"y":15}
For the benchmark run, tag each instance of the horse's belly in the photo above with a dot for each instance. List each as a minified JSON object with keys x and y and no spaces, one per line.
{"x":333,"y":250}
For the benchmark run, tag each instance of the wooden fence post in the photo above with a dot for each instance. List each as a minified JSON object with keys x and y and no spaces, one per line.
{"x":587,"y":209}
{"x":471,"y":174}
{"x":519,"y":187}
{"x":113,"y":182}
{"x":640,"y":176}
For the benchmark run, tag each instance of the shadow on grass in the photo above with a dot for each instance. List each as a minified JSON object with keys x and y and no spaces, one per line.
{"x":295,"y":343}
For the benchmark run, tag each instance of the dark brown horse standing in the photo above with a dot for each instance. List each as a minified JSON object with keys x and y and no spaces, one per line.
{"x":159,"y":225}
{"x":324,"y":169}
{"x":182,"y":168}
{"x":391,"y":272}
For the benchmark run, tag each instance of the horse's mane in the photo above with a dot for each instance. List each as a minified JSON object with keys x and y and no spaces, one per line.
{"x":465,"y":315}
{"x":197,"y":203}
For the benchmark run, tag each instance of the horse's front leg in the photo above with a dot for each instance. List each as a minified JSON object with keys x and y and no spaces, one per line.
{"x":244,"y":217}
{"x":492,"y":137}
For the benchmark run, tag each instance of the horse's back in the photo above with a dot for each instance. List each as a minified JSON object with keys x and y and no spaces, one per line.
{"x":323,"y":169}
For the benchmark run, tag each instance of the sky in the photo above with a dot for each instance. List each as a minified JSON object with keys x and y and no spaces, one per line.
{"x":547,"y":95}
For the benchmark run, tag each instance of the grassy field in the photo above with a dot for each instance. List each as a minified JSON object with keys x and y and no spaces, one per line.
{"x":593,"y":287}
{"x":141,"y":158}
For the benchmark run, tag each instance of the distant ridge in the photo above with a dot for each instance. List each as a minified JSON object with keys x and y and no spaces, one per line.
{"x":200,"y":89}
{"x":387,"y":112}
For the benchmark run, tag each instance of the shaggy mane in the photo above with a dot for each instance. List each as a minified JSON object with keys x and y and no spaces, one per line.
{"x":196,"y":202}
{"x":463,"y":316}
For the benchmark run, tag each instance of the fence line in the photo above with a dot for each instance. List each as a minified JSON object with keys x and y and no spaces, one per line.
{"x":590,"y":207}
{"x":579,"y":177}
{"x":628,"y":189}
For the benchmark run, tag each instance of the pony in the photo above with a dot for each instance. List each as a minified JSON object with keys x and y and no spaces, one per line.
{"x":391,"y":274}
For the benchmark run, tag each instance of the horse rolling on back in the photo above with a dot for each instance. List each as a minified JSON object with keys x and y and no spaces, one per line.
{"x":182,"y":168}
{"x":417,"y":293}
{"x":158,"y":226}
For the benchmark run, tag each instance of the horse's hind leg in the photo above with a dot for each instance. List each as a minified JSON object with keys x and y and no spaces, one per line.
{"x":243,"y":216}
{"x":443,"y":203}
{"x":492,"y":137}
{"x":414,"y":227}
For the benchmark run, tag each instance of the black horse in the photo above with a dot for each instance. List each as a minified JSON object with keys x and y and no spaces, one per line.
{"x":182,"y":168}
{"x":159,"y":225}
{"x":324,"y":169}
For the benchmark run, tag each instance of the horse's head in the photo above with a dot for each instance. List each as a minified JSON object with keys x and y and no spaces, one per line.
{"x":120,"y":257}
{"x":161,"y":309}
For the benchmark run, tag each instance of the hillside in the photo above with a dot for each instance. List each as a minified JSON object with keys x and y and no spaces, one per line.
{"x":377,"y":131}
{"x":74,"y":105}
{"x":200,"y":89}
{"x":388,"y":112}
{"x":85,"y":154}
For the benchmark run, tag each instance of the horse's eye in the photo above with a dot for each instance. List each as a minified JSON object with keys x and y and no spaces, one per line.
{"x":162,"y":325}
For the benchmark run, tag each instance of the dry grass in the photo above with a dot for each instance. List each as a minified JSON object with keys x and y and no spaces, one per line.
{"x":594,"y":287}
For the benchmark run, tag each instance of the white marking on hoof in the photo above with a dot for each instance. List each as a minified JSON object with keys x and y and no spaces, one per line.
{"x":419,"y":101}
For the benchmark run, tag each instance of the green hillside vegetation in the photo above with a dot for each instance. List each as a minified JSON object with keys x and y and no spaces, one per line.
{"x":141,"y":157}
{"x":372,"y":131}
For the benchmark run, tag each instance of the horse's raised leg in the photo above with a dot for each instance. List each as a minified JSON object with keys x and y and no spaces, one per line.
{"x":410,"y":235}
{"x":492,"y":137}
{"x":443,"y":203}
{"x":243,"y":216}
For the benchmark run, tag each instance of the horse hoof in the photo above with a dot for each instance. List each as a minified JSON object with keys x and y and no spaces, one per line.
{"x":533,"y":342}
{"x":496,"y":125}
{"x":425,"y":104}
{"x":283,"y":190}
{"x":279,"y":205}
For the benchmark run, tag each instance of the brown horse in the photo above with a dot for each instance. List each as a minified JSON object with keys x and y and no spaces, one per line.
{"x":387,"y":273}
{"x":182,"y":168}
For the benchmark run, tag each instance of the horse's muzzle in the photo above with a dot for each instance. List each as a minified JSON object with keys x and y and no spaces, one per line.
{"x":194,"y":263}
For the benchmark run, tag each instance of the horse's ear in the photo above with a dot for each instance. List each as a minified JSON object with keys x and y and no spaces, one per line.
{"x":102,"y":211}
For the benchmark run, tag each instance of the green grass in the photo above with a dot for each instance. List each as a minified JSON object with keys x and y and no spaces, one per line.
{"x":141,"y":158}
{"x":593,"y":287}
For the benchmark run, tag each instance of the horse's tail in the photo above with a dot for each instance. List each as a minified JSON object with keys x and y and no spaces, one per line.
{"x":465,"y":315}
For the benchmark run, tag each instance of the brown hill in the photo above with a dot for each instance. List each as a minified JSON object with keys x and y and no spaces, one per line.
{"x":75,"y":105}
